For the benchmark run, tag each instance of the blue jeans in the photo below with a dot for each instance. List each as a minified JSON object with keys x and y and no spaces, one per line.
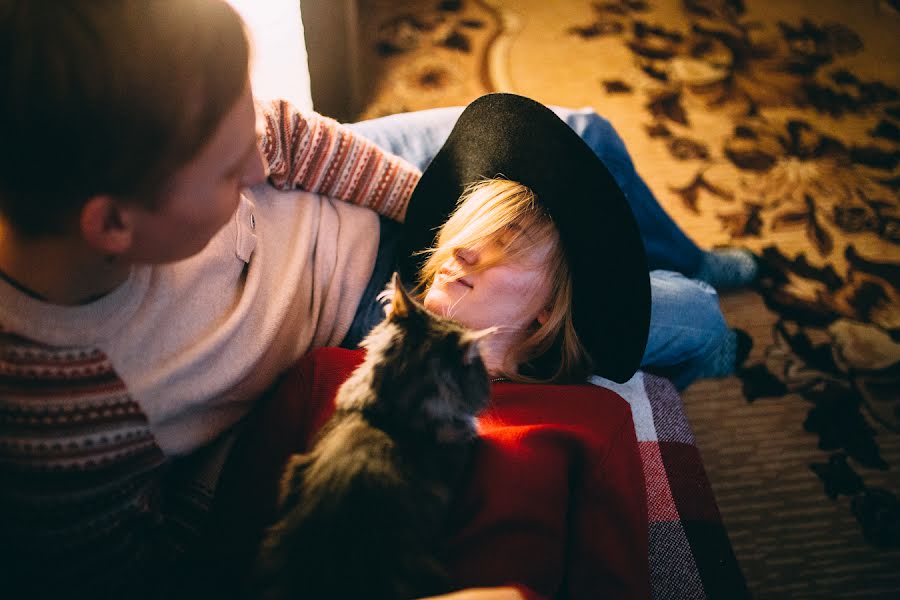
{"x":686,"y":323}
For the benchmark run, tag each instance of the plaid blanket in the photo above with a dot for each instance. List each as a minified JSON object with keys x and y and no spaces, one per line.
{"x":690,"y":554}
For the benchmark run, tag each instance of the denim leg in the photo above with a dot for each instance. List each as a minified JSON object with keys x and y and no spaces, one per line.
{"x":686,"y":325}
{"x":417,"y":137}
{"x":414,"y":136}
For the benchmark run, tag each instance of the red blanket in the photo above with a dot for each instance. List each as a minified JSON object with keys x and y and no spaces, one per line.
{"x":558,"y":500}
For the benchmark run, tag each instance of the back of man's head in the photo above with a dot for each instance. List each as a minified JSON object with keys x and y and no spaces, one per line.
{"x":108,"y":97}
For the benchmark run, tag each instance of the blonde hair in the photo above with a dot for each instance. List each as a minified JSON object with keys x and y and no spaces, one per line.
{"x":499,"y":209}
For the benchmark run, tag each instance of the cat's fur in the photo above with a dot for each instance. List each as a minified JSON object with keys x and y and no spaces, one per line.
{"x":362,"y":511}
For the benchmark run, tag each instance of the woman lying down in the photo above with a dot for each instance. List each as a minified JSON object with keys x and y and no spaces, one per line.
{"x":541,"y":250}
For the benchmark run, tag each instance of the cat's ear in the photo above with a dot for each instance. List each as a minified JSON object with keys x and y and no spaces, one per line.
{"x":480,"y":334}
{"x":472,"y":341}
{"x":472,"y":353}
{"x":402,"y":305}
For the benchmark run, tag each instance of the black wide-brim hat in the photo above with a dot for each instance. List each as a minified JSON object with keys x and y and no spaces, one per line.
{"x":516,"y":138}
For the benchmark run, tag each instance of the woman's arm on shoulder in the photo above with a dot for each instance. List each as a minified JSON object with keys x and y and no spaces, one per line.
{"x":494,"y":593}
{"x":312,"y":152}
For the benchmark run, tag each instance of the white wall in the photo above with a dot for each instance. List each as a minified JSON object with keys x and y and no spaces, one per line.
{"x":279,"y":67}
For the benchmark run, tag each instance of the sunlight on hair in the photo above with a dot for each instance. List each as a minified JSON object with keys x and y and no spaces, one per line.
{"x":279,"y":55}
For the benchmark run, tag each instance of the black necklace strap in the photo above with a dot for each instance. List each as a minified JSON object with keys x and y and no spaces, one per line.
{"x":5,"y":277}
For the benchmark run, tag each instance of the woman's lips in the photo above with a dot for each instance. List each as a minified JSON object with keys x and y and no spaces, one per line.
{"x":452,"y":278}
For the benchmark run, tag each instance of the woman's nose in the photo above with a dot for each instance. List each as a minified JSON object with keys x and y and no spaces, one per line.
{"x":466,"y":256}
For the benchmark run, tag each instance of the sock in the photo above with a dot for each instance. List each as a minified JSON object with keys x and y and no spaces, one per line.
{"x":728,"y":268}
{"x":728,"y":355}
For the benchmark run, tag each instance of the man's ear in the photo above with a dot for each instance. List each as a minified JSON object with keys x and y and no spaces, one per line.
{"x":106,"y":226}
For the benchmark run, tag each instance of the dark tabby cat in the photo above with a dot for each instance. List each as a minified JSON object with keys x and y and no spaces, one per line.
{"x":362,"y":511}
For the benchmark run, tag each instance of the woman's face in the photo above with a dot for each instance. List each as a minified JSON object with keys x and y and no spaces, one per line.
{"x":510,"y":294}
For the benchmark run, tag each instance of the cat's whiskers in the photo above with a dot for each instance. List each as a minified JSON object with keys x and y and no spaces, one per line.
{"x":449,"y":311}
{"x":505,"y":329}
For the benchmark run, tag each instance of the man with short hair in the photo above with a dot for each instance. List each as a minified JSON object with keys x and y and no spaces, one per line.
{"x":147,"y":297}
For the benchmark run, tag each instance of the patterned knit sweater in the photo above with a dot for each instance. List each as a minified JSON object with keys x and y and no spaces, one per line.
{"x":112,"y":413}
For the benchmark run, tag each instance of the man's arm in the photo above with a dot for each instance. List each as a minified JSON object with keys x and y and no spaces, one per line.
{"x":317,"y":154}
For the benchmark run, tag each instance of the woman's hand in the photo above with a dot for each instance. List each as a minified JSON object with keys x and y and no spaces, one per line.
{"x":498,"y":593}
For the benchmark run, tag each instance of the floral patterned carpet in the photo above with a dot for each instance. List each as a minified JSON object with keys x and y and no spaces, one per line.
{"x":757,"y":123}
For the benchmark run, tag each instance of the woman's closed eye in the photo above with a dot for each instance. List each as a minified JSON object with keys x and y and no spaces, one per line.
{"x":510,"y":239}
{"x":466,"y":256}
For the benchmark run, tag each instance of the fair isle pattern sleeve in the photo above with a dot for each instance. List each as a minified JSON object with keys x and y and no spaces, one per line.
{"x":315,"y":153}
{"x":79,"y":476}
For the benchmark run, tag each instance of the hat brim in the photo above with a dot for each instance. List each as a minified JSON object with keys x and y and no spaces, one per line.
{"x":516,"y":138}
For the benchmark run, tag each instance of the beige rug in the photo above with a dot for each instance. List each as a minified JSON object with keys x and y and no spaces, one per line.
{"x":766,"y":124}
